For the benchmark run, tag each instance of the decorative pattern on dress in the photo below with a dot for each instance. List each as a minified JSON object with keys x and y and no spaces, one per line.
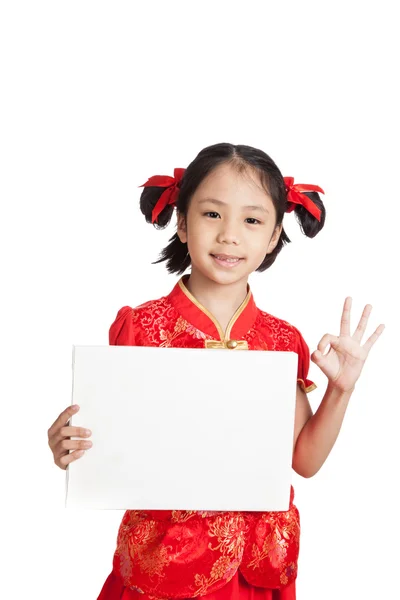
{"x":186,"y":554}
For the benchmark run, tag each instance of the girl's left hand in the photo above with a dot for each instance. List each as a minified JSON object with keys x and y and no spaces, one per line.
{"x":346,"y":357}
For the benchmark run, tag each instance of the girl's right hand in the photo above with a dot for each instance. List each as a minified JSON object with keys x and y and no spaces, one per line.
{"x":60,"y":439}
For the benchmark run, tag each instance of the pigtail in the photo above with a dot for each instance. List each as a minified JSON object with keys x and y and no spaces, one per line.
{"x":309,"y":225}
{"x":148,"y":199}
{"x":160,"y":196}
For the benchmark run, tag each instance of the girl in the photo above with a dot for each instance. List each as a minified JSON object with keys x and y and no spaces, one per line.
{"x":230,"y":204}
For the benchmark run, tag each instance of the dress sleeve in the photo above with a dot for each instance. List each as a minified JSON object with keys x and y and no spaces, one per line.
{"x":122,"y":331}
{"x":304,"y":363}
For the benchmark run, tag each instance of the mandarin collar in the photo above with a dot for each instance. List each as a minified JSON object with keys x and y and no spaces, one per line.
{"x":200,"y":317}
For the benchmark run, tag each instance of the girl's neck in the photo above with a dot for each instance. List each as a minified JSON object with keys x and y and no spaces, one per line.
{"x":222,"y":301}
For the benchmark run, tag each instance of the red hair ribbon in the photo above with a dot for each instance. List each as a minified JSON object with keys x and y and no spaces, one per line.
{"x":169,"y":195}
{"x":295,"y":196}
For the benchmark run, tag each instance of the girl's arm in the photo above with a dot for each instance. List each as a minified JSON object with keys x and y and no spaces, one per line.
{"x":316,"y":434}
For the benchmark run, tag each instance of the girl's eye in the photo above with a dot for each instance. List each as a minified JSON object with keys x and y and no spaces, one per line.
{"x":213,"y":215}
{"x":253,"y":221}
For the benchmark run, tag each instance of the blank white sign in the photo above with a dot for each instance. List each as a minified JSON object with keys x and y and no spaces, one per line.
{"x":183,"y":429}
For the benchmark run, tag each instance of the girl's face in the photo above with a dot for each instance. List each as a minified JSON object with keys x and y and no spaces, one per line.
{"x":229,"y":226}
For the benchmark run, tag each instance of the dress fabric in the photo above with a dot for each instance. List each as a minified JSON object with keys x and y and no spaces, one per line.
{"x":235,"y":589}
{"x":164,"y":554}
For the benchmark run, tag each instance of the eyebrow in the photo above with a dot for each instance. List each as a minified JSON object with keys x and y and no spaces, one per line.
{"x":221,"y":203}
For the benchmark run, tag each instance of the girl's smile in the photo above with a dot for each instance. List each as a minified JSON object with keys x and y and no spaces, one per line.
{"x":226,"y":260}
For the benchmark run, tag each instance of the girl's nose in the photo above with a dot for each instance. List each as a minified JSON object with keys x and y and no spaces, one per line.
{"x":228,"y":235}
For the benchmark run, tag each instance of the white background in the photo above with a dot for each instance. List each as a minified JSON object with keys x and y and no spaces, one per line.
{"x":95,"y":98}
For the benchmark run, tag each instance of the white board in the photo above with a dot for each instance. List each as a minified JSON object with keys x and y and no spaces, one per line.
{"x":183,"y":429}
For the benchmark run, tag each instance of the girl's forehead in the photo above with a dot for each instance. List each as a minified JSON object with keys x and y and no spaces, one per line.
{"x":227,"y":179}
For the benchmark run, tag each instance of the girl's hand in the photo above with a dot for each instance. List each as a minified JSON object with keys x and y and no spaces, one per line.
{"x":346,"y":357}
{"x":60,"y":439}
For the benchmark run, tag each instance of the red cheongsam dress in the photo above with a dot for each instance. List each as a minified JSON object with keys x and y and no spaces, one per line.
{"x":216,"y":555}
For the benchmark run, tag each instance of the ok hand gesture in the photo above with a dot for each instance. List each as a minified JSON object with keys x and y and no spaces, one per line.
{"x":346,"y":357}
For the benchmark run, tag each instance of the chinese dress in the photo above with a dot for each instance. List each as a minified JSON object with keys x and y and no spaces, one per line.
{"x":216,"y":555}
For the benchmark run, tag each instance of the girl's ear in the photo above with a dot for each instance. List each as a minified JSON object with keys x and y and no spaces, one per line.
{"x":275,"y":238}
{"x":181,"y":231}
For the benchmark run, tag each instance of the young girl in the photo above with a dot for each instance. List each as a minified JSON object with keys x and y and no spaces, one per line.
{"x":230,"y":204}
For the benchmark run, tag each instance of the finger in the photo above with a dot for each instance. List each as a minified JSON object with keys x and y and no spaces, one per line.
{"x":319,"y":358}
{"x":68,"y":432}
{"x":66,"y":445}
{"x":65,"y":460}
{"x":372,"y":339}
{"x":325,"y":340}
{"x":74,"y":432}
{"x":359,"y":332}
{"x":345,"y":321}
{"x":62,"y":419}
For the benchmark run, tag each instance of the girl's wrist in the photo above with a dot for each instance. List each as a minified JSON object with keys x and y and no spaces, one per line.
{"x":339,"y":390}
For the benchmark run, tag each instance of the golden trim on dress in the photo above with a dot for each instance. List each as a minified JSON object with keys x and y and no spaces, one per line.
{"x":224,"y":342}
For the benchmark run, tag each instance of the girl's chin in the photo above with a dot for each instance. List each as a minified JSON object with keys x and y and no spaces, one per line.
{"x":222,"y":276}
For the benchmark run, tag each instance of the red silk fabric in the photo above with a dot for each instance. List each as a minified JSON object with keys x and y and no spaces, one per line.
{"x":236,"y":589}
{"x":187,"y":554}
{"x":295,"y":196}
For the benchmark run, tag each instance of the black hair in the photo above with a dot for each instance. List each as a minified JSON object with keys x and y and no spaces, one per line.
{"x":241,"y":157}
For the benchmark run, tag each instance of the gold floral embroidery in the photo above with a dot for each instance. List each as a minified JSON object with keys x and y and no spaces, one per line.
{"x":220,"y":567}
{"x":273,"y":548}
{"x":181,"y":326}
{"x":169,"y":336}
{"x":230,"y":534}
{"x":153,"y":561}
{"x":223,"y":568}
{"x":202,"y":582}
{"x":275,"y":544}
{"x":196,"y":333}
{"x":144,"y":533}
{"x":141,"y":545}
{"x":180,"y":516}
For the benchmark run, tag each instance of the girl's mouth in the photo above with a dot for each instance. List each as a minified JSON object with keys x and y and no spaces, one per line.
{"x":225,"y":260}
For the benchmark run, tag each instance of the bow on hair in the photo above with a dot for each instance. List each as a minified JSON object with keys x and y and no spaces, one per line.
{"x":169,"y":195}
{"x":295,"y":196}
